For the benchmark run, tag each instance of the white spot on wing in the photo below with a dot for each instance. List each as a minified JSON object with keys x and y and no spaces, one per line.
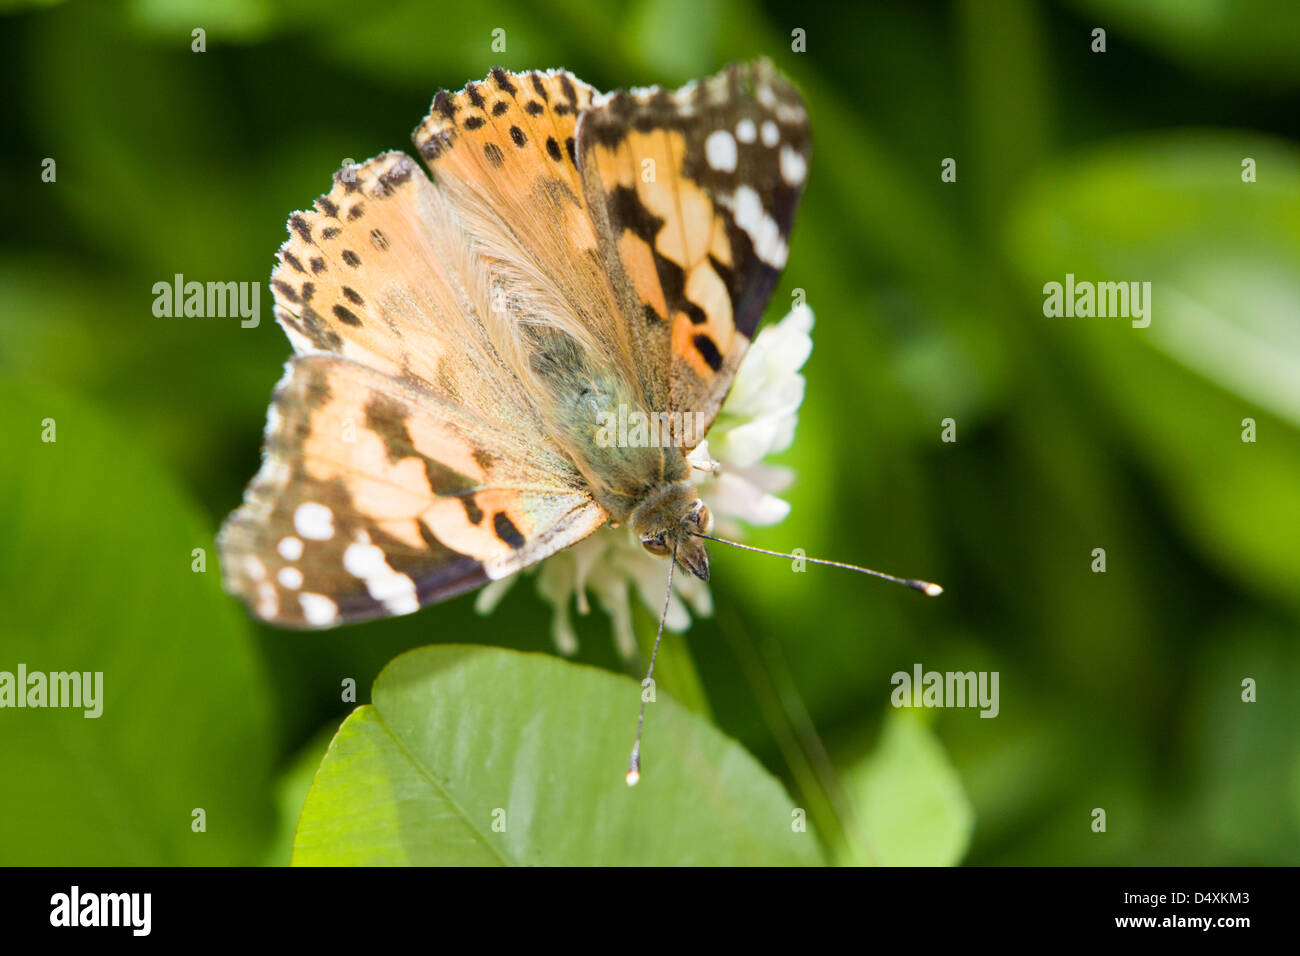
{"x":720,"y":151}
{"x":254,"y":568}
{"x":318,"y":609}
{"x":761,"y":228}
{"x":290,"y":548}
{"x":746,"y":131}
{"x":770,"y":133}
{"x":290,"y":578}
{"x":314,"y":521}
{"x":793,"y":166}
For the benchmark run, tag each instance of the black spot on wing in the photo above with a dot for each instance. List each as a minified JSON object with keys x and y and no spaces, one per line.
{"x":708,"y":351}
{"x":505,"y":530}
{"x":502,"y":79}
{"x":568,"y":89}
{"x":628,"y":214}
{"x":298,"y":223}
{"x":346,"y":315}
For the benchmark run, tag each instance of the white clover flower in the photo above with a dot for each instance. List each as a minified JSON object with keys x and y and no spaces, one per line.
{"x":757,"y":420}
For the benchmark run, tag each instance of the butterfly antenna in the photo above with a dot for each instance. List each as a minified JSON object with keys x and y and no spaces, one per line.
{"x":925,"y":587}
{"x":634,"y":764}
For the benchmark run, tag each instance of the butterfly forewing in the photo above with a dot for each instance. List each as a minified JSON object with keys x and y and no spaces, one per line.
{"x":695,"y":192}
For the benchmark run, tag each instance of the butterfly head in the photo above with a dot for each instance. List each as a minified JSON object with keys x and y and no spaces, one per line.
{"x":668,"y":521}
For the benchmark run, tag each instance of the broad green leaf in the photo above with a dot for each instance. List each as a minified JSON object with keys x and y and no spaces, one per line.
{"x":910,"y":806}
{"x":96,"y":557}
{"x":482,"y":756}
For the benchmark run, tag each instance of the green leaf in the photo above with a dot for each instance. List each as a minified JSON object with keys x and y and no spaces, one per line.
{"x":96,"y":558}
{"x":482,"y":756}
{"x":911,"y":807}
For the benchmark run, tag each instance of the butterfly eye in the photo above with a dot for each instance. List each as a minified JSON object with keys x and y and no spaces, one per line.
{"x":702,"y":517}
{"x":656,"y":544}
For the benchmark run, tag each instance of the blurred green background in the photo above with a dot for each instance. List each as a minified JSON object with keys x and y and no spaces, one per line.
{"x":1119,"y":690}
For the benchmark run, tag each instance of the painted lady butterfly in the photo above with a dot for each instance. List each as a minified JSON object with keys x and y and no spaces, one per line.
{"x":458,"y":341}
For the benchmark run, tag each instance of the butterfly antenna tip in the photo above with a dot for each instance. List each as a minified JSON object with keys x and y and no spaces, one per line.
{"x":634,"y":763}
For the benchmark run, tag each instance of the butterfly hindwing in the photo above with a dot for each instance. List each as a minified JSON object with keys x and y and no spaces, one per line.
{"x":376,"y":499}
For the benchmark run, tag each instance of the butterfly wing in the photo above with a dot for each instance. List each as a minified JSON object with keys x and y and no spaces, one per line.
{"x":503,"y":153}
{"x":694,"y":194}
{"x":376,"y":498}
{"x":399,"y":438}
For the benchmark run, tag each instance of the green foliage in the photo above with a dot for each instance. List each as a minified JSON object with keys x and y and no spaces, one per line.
{"x":478,"y":756}
{"x":102,"y":543}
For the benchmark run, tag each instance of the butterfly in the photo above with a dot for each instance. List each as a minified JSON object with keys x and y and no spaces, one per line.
{"x":461,"y":337}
